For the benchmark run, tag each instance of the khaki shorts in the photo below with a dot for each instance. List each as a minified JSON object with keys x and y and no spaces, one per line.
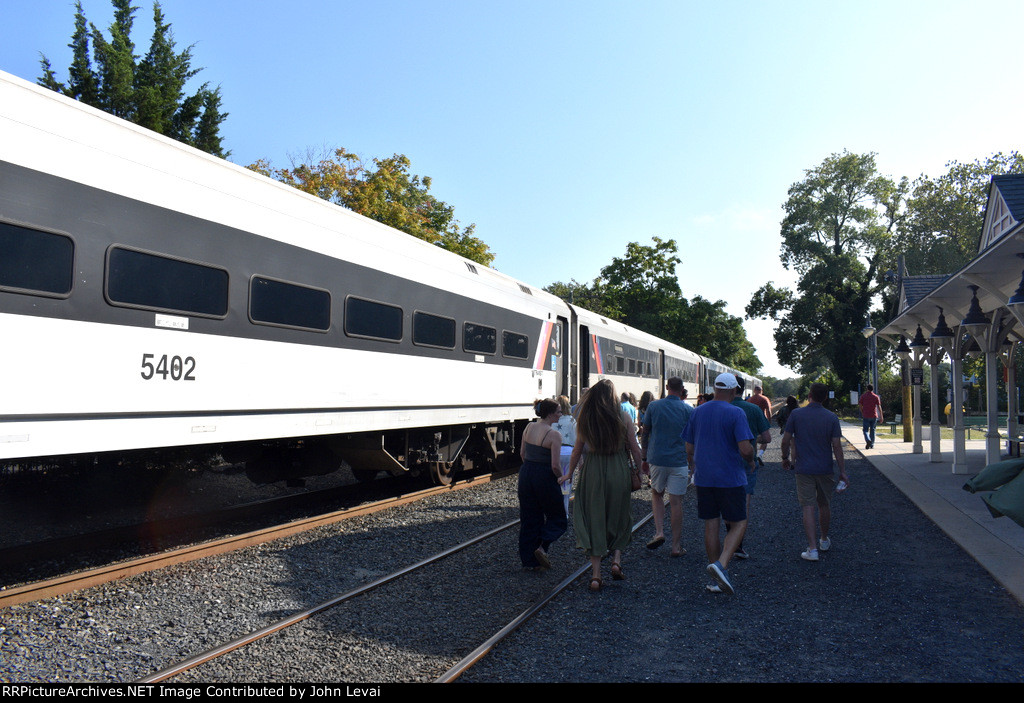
{"x":812,"y":489}
{"x":669,"y":479}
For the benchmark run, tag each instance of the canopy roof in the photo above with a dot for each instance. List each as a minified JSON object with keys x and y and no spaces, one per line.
{"x":996,"y":270}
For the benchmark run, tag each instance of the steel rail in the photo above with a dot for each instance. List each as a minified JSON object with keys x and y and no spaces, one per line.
{"x":477,"y":654}
{"x":113,"y":572}
{"x":223,"y":649}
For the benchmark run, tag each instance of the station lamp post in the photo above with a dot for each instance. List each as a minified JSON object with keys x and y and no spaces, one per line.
{"x":918,"y":352}
{"x":869,"y":334}
{"x":942,"y":343}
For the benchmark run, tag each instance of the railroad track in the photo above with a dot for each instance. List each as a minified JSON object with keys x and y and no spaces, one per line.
{"x":476,"y":654}
{"x":67,"y":583}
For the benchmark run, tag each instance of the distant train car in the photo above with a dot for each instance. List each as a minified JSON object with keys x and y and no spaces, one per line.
{"x":153,"y":296}
{"x":709,"y":372}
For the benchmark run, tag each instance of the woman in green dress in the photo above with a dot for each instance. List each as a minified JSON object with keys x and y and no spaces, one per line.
{"x":601,"y":513}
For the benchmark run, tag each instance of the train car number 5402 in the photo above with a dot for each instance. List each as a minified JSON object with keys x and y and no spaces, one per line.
{"x":175,"y":368}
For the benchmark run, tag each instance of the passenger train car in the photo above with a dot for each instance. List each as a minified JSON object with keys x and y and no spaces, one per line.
{"x":153,"y":296}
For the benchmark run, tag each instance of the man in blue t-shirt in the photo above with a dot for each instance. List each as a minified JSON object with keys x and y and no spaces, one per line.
{"x":815,"y":436}
{"x":664,"y":453}
{"x":720,"y":453}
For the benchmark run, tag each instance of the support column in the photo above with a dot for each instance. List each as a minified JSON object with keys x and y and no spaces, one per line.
{"x":959,"y":433}
{"x":1011,"y":393}
{"x":918,"y":445}
{"x":992,"y":441}
{"x":935,"y":455}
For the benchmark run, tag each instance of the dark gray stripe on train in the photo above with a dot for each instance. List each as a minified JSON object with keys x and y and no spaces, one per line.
{"x":60,"y":417}
{"x":96,"y":219}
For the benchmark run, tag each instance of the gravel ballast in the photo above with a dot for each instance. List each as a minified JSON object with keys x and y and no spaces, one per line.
{"x":894,"y":600}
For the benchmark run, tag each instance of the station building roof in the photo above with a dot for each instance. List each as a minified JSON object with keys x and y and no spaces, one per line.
{"x":997,"y":271}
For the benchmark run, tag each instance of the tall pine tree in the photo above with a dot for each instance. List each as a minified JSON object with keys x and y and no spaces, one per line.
{"x":150,"y":92}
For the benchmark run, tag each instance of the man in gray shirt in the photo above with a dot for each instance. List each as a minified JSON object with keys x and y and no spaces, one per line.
{"x":814,"y":437}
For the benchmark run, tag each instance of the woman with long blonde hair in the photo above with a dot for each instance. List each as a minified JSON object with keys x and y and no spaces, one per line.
{"x":601,"y":512}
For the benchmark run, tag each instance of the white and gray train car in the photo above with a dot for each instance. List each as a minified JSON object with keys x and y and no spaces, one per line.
{"x":633,"y":360}
{"x":153,"y":296}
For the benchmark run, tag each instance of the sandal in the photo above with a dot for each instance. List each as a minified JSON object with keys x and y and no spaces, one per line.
{"x":617,"y":574}
{"x":595,"y":583}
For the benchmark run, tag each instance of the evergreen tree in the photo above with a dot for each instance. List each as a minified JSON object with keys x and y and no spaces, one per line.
{"x":150,"y":92}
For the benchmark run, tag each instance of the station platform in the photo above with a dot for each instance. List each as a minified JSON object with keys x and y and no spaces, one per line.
{"x":995,"y":543}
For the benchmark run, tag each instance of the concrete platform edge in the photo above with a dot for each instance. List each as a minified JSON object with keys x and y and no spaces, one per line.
{"x":1003,"y":561}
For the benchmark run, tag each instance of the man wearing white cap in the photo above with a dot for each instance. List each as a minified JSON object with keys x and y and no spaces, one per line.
{"x":719,"y":452}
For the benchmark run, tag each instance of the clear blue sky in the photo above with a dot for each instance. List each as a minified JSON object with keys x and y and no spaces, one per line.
{"x":565,"y":130}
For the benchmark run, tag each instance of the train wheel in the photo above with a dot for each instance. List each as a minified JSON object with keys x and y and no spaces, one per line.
{"x":441,"y":473}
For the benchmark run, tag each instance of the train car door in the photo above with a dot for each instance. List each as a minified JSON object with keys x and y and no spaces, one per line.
{"x":583,"y":353}
{"x":662,"y":376}
{"x":563,"y":376}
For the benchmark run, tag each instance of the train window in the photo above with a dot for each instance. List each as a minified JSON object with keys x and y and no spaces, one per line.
{"x":515,"y":345}
{"x":620,"y":364}
{"x":433,"y":331}
{"x":632,"y":365}
{"x":278,"y":303}
{"x":141,"y":279}
{"x":368,"y":318}
{"x":479,"y":338}
{"x":36,"y":262}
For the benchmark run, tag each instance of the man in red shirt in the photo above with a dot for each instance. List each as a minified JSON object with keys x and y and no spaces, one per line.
{"x":762,"y":402}
{"x":871,"y":412}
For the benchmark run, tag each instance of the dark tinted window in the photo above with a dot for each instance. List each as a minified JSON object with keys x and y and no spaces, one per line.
{"x":279,"y":303}
{"x":479,"y":338}
{"x":515,"y":345}
{"x":145,"y":280}
{"x":366,"y":318}
{"x":433,"y":331}
{"x":36,"y":261}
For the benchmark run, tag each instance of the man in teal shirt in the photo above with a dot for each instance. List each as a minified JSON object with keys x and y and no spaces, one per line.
{"x":760,"y":428}
{"x":664,"y":453}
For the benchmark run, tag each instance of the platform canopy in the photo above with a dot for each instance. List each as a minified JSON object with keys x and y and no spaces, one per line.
{"x":982,"y":306}
{"x":997,"y":271}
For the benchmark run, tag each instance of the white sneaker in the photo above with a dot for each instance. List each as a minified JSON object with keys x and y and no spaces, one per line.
{"x":825,"y":544}
{"x":810,"y":554}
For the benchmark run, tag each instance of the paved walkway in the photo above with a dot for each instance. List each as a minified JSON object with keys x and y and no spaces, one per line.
{"x":995,"y":543}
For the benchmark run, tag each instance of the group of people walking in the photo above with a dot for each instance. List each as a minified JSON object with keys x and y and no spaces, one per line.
{"x":716,"y":447}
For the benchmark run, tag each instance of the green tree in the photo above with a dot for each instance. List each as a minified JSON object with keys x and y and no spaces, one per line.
{"x":836,"y":232}
{"x":642,"y":286}
{"x":591,"y":297}
{"x":706,"y":328}
{"x":150,"y":92}
{"x":945,"y":215}
{"x":642,"y":290}
{"x":385,"y":191}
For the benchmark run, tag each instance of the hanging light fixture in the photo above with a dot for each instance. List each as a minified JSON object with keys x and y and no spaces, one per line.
{"x":902,"y":349}
{"x":942,"y":333}
{"x":918,"y":341}
{"x":976,"y":321}
{"x":1017,"y":299}
{"x":973,"y":349}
